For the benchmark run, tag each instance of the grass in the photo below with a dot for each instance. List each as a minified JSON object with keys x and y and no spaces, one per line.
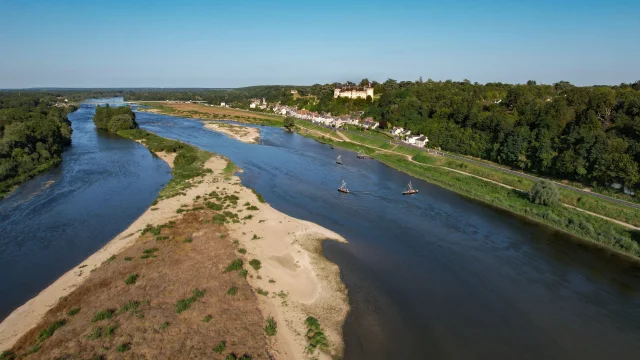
{"x":188,"y":164}
{"x":243,"y":273}
{"x":184,"y":304}
{"x":232,"y":291}
{"x":271,"y":328}
{"x":315,"y":336}
{"x":51,"y":329}
{"x":164,"y":325}
{"x":187,"y":240}
{"x":262,"y":292}
{"x":572,"y":221}
{"x":255,"y":264}
{"x":128,"y":258}
{"x":207,"y":318}
{"x":131,"y":305}
{"x":252,"y":207}
{"x":242,"y":251}
{"x":95,"y":334}
{"x":258,"y":195}
{"x":235,"y":265}
{"x":123,"y":347}
{"x":220,"y":347}
{"x":73,"y":311}
{"x":131,"y":279}
{"x":111,"y":330}
{"x":103,"y":315}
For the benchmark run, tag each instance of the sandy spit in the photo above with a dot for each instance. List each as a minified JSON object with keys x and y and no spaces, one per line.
{"x":300,"y":281}
{"x":243,"y":133}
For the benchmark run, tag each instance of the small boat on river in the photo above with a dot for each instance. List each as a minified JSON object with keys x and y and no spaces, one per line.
{"x":409,"y":190}
{"x":361,"y":155}
{"x":339,"y":160}
{"x":343,"y":188}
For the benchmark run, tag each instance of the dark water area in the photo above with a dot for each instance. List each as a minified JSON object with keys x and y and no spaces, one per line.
{"x":53,"y":222}
{"x":437,"y":275}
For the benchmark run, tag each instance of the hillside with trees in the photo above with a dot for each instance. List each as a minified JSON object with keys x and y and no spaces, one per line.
{"x":33,"y":134}
{"x":586,"y":134}
{"x":114,"y":119}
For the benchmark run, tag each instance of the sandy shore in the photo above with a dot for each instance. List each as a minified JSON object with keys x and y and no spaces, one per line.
{"x":300,"y":281}
{"x":243,"y":133}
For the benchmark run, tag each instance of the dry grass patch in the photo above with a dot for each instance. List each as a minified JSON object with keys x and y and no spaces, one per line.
{"x":120,"y":321}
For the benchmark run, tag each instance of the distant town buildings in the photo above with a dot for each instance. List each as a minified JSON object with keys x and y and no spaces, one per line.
{"x":353,"y":92}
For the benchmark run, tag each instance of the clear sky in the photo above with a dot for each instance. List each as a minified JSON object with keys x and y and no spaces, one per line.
{"x":240,"y":42}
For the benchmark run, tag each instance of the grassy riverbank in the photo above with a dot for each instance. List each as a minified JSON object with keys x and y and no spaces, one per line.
{"x":572,"y":221}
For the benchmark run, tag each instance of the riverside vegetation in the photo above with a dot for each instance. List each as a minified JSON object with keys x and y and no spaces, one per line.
{"x":33,"y":134}
{"x":439,"y":170}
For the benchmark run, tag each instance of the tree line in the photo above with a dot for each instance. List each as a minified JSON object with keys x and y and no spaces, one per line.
{"x":33,"y":134}
{"x":114,"y":119}
{"x":587,"y":134}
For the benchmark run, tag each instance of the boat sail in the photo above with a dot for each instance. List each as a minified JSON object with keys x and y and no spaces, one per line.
{"x":343,"y":188}
{"x":409,"y":190}
{"x":339,"y":160}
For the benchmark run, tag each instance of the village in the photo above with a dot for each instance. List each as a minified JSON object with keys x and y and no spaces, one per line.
{"x":330,"y":121}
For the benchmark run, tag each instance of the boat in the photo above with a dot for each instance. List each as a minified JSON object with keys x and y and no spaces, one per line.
{"x":361,"y":155}
{"x":343,"y":188}
{"x":339,"y":160}
{"x":409,"y":190}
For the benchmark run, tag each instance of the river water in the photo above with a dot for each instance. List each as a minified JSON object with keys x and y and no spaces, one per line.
{"x":53,"y":222}
{"x":430,"y":276}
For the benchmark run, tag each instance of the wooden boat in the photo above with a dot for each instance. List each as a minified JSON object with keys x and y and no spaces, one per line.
{"x":409,"y":190}
{"x":343,"y":188}
{"x":361,"y":155}
{"x":339,"y":160}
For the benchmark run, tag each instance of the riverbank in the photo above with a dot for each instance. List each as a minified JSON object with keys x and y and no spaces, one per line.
{"x":602,"y":228}
{"x":203,"y":223}
{"x":245,"y":134}
{"x":621,"y":239}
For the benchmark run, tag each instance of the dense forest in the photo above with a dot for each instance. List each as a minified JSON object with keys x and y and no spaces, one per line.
{"x":586,"y":134}
{"x":33,"y":134}
{"x":114,"y":119}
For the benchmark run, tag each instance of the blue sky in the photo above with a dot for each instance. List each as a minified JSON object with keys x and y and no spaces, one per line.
{"x":240,"y":42}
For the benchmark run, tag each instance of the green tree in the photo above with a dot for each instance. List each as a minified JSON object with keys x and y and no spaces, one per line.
{"x":544,"y":192}
{"x":289,"y":122}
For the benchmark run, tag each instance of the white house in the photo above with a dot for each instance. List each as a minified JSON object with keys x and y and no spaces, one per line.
{"x":223,"y":104}
{"x":421,"y":141}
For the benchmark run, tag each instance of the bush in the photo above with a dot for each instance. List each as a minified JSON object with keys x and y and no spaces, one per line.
{"x":48,"y":332}
{"x":131,"y":279}
{"x":235,"y":265}
{"x":545,"y":193}
{"x":103,"y":315}
{"x":271,"y":329}
{"x":255,"y":263}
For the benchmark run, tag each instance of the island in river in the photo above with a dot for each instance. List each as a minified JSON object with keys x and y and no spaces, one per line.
{"x":209,"y":262}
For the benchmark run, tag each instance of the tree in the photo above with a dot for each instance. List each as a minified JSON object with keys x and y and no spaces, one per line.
{"x":544,"y":192}
{"x":289,"y":122}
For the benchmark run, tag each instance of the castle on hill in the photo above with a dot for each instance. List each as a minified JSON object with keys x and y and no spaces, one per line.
{"x":353,"y":92}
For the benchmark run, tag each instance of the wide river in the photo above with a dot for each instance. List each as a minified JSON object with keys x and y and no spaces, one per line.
{"x":430,"y":276}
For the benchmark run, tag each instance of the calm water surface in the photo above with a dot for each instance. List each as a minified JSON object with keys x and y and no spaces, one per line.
{"x":431,"y":276}
{"x":54,"y":221}
{"x":438,"y":276}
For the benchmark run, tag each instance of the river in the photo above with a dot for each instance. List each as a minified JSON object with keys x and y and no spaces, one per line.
{"x":435,"y":275}
{"x":53,"y":222}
